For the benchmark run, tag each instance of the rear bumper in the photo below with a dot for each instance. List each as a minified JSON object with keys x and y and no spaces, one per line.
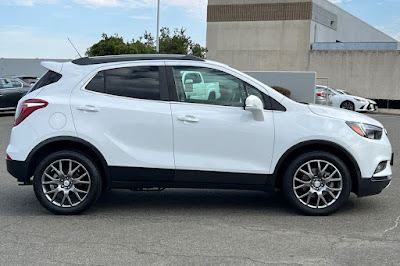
{"x":19,"y":170}
{"x":372,"y":186}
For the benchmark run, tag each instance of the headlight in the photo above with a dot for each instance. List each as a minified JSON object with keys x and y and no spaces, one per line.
{"x":366,"y":130}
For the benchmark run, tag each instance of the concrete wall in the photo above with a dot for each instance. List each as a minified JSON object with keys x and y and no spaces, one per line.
{"x":371,"y":74}
{"x":28,"y":67}
{"x":258,"y":35}
{"x":301,"y":84}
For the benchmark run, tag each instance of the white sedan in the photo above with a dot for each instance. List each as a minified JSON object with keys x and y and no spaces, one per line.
{"x":342,"y":99}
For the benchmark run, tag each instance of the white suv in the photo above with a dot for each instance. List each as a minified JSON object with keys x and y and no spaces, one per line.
{"x":127,"y":122}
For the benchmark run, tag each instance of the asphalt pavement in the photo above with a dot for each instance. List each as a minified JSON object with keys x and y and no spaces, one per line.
{"x":198,"y":227}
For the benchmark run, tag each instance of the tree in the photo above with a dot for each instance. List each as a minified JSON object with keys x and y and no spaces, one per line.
{"x":115,"y":45}
{"x":176,"y":43}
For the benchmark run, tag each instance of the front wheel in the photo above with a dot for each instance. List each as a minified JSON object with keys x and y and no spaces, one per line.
{"x":317,"y":183}
{"x":67,"y":182}
{"x":347,"y":105}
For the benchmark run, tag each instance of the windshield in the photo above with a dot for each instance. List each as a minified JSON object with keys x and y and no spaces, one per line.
{"x":334,"y":91}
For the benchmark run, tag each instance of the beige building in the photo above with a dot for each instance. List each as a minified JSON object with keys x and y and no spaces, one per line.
{"x":305,"y":35}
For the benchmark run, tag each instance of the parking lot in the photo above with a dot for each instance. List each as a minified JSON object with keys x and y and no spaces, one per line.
{"x":198,"y":227}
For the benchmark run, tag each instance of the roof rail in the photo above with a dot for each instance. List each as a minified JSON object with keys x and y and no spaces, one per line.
{"x":132,"y":57}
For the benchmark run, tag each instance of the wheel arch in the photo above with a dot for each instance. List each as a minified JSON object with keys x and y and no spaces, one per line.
{"x":68,"y":143}
{"x":348,"y":100}
{"x":316,"y":145}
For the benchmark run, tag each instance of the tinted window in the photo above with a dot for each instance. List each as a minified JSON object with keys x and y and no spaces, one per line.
{"x":49,"y":78}
{"x":134,"y":82}
{"x":97,"y":83}
{"x":218,"y":88}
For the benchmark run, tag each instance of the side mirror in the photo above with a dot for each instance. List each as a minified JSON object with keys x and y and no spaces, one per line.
{"x":188,"y":81}
{"x":255,"y":105}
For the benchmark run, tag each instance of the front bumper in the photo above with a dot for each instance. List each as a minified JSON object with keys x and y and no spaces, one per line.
{"x":367,"y":107}
{"x":19,"y":170}
{"x":372,"y":186}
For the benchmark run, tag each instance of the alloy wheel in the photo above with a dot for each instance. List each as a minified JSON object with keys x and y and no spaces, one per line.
{"x":317,"y":184}
{"x":66,"y":183}
{"x":348,"y":106}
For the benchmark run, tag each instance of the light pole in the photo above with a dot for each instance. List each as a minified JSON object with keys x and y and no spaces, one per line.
{"x":158,"y":28}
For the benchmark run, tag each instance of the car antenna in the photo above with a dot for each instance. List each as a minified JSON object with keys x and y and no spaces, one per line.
{"x":74,"y":47}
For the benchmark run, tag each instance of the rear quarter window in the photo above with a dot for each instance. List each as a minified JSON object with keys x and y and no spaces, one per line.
{"x":49,"y":78}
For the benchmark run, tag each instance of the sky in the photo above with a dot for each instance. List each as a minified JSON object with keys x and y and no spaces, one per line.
{"x":39,"y":28}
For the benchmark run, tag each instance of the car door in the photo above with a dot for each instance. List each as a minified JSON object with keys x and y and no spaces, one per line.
{"x":216,"y":140}
{"x":10,"y":92}
{"x":125,"y":113}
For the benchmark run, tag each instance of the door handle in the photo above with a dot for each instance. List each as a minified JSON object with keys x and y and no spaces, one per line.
{"x":88,"y":108}
{"x":188,"y":118}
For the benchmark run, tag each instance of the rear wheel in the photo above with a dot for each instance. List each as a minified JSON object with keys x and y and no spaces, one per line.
{"x":67,"y":182}
{"x":317,"y":183}
{"x":347,"y":105}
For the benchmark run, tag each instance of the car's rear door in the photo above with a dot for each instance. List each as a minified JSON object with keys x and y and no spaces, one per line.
{"x":124,"y":111}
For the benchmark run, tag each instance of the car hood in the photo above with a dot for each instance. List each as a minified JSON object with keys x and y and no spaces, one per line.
{"x":342,"y":114}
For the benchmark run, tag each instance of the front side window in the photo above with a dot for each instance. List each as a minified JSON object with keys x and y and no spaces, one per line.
{"x":253,"y":91}
{"x":133,"y":82}
{"x":208,"y":86}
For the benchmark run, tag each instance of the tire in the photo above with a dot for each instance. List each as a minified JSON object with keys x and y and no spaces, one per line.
{"x":347,"y":105}
{"x":211,"y":96}
{"x":80,"y":186}
{"x":322,"y":192}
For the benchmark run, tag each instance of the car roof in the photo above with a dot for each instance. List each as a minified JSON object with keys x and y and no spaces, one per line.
{"x":132,"y":57}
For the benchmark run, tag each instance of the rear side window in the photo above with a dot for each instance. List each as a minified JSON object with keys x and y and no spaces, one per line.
{"x":97,"y":83}
{"x":133,"y":82}
{"x":49,"y":78}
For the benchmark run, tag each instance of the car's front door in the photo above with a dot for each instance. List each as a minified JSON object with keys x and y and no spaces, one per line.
{"x":216,"y":140}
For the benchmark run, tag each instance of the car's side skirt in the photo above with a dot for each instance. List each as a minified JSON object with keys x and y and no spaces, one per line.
{"x":132,"y":177}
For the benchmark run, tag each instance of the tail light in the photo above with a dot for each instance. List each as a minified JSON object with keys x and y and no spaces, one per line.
{"x":26,"y":108}
{"x":320,"y":94}
{"x":8,"y":157}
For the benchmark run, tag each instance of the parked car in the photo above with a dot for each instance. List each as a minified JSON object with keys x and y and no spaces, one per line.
{"x":323,"y":96}
{"x":11,"y":91}
{"x":126,"y":122}
{"x":347,"y":101}
{"x":373,"y":105}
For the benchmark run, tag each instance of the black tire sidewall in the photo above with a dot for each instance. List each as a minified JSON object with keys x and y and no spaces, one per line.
{"x":317,"y":155}
{"x":352,"y":104}
{"x":94,"y":192}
